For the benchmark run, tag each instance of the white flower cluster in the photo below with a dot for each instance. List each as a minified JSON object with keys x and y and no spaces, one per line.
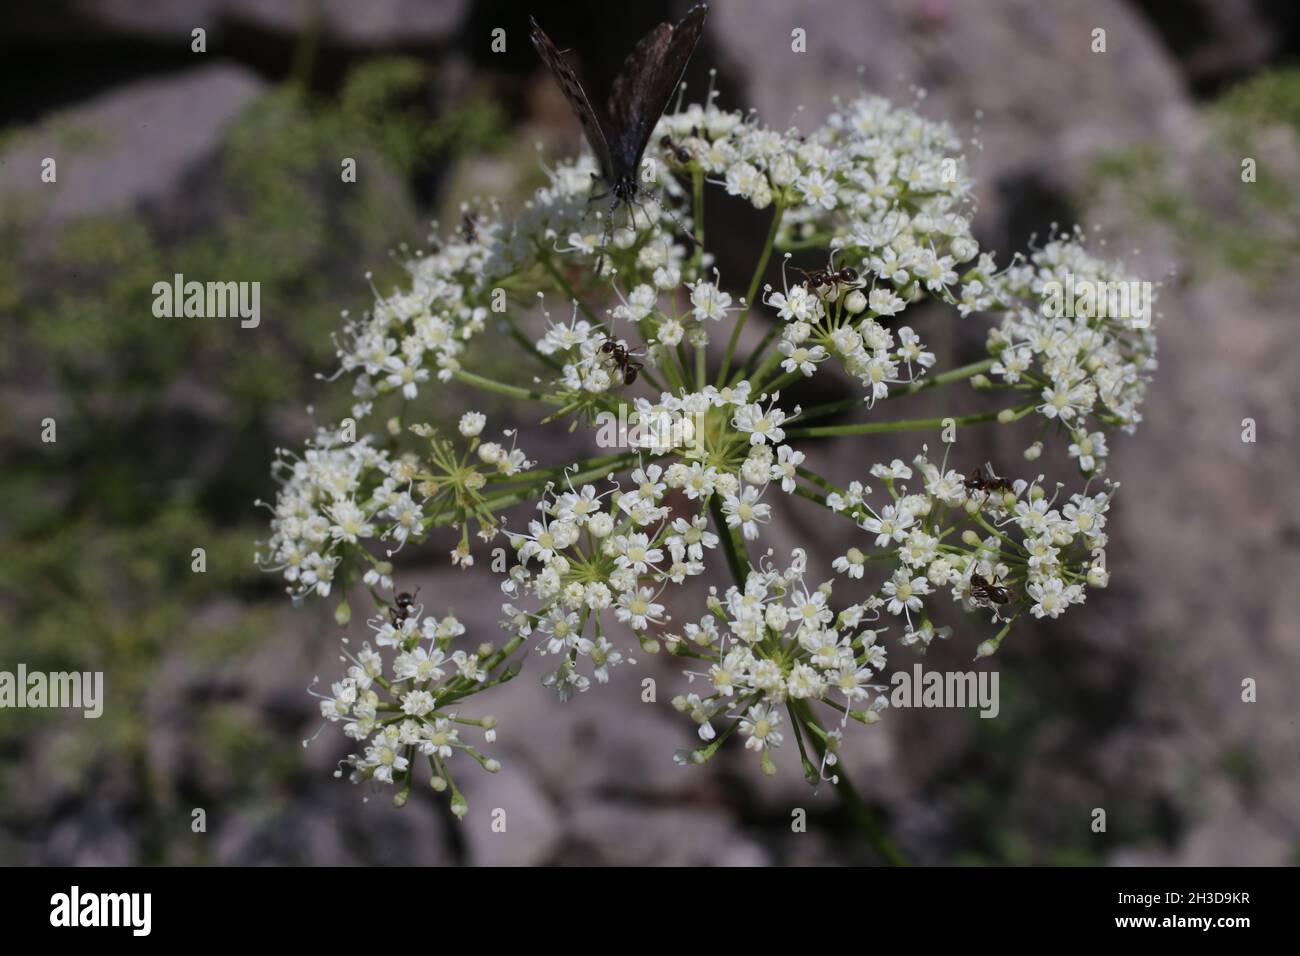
{"x":333,"y":496}
{"x":851,"y":331}
{"x":880,"y":200}
{"x":343,"y":495}
{"x":411,"y":332}
{"x":1080,"y":364}
{"x":1016,"y":550}
{"x":591,"y":557}
{"x":403,"y":708}
{"x":904,"y":203}
{"x":776,"y":642}
{"x":412,"y":335}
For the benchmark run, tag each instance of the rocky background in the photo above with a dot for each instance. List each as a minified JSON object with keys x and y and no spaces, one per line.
{"x":226,"y":163}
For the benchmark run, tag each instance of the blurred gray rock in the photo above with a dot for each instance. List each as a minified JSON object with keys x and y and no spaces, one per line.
{"x":628,"y":835}
{"x":134,"y":144}
{"x":513,"y":800}
{"x":376,"y":24}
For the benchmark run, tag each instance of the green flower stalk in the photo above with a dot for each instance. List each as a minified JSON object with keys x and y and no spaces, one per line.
{"x":880,"y":201}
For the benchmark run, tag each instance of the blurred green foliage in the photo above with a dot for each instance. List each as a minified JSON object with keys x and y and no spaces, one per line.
{"x":166,"y":429}
{"x":1222,"y":222}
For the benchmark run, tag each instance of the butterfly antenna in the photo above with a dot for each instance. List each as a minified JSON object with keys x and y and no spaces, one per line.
{"x":677,"y":222}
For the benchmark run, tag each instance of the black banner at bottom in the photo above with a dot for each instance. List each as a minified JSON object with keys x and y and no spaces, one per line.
{"x":338,"y":906}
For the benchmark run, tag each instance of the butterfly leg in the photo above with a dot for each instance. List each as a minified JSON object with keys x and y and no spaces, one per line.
{"x":609,"y":231}
{"x":597,"y":184}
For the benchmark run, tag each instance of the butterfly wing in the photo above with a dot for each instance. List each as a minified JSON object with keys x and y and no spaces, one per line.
{"x":646,"y":82}
{"x":577,"y":97}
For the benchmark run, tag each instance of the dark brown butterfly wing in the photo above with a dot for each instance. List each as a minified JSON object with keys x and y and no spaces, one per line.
{"x":577,"y":97}
{"x":643,"y":87}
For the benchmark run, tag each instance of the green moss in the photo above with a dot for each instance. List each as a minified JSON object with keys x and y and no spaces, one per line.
{"x":166,"y":427}
{"x":1249,"y":228}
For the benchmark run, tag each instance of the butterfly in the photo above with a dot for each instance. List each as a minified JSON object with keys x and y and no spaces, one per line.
{"x":619,"y":133}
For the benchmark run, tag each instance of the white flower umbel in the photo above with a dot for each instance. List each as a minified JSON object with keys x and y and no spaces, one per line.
{"x":401,"y":703}
{"x":871,"y":214}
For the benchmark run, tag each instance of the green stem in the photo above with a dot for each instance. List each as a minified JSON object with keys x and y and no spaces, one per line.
{"x":523,"y":494}
{"x":761,"y":373}
{"x":604,"y":461}
{"x":517,"y":334}
{"x":953,"y":375}
{"x":758,"y":353}
{"x":777,"y":386}
{"x":544,"y":258}
{"x":737,"y":559}
{"x":501,"y":388}
{"x":753,"y":290}
{"x":907,"y":425}
{"x":854,"y":803}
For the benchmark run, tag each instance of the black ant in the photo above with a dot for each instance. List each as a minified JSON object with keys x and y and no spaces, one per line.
{"x":828,"y":276}
{"x":398,"y":614}
{"x":982,"y":478}
{"x":469,"y":228}
{"x":680,"y":153}
{"x":625,"y":364}
{"x":988,"y":591}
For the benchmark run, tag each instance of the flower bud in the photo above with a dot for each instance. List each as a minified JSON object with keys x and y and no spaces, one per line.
{"x":855,"y":302}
